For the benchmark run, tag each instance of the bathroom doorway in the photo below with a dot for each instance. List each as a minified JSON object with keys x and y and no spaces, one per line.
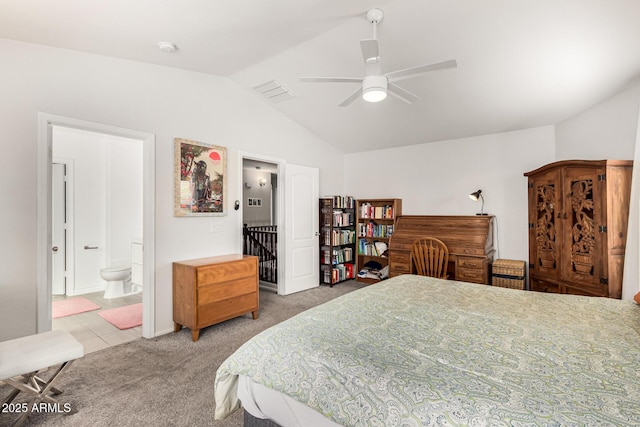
{"x":96,"y":211}
{"x":146,"y":166}
{"x":98,"y":190}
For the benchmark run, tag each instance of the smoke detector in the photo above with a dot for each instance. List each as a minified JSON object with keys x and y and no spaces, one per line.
{"x":167,"y":47}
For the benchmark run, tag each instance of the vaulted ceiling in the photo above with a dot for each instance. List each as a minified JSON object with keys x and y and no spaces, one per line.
{"x":521,"y":64}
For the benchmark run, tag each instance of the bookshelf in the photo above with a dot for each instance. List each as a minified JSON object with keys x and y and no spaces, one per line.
{"x":337,"y":239}
{"x":374,"y":225}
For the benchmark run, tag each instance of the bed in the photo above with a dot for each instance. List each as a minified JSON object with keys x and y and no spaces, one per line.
{"x":414,"y":351}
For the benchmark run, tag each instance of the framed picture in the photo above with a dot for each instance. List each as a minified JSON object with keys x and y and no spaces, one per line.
{"x":253,"y":202}
{"x":200,"y":179}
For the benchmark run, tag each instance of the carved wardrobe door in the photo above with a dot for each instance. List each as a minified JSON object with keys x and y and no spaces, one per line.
{"x":545,"y":225}
{"x":584,"y":219}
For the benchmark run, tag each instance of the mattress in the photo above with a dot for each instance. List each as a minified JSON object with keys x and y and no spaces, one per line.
{"x":414,"y":350}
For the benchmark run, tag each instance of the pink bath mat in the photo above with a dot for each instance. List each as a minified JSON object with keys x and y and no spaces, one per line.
{"x":125,"y":317}
{"x":68,"y":307}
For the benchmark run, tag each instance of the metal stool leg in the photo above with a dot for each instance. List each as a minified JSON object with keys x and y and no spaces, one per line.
{"x":33,"y":386}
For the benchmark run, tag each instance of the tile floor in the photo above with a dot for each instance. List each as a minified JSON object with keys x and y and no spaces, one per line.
{"x":93,"y":331}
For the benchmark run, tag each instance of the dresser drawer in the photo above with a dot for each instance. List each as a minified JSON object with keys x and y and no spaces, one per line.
{"x":398,"y":269}
{"x":226,"y":309}
{"x":400,"y":257}
{"x":221,"y":291}
{"x":465,"y":250}
{"x":399,"y":263}
{"x":471,"y":262}
{"x":226,"y":272}
{"x":470,"y":275}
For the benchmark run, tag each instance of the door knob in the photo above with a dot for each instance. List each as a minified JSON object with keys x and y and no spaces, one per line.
{"x":54,"y":249}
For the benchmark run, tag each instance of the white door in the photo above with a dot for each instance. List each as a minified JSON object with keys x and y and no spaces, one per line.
{"x":58,"y":229}
{"x":301,"y":228}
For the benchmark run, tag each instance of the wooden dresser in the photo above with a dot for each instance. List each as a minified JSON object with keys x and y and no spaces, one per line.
{"x":468,"y":238}
{"x":207,"y":291}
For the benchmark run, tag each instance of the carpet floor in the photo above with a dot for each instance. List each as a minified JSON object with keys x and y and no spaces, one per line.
{"x":168,"y":380}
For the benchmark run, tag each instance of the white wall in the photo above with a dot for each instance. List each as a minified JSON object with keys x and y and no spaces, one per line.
{"x":605,"y":131}
{"x":436,"y":178}
{"x":164,"y":101}
{"x":124,"y":195}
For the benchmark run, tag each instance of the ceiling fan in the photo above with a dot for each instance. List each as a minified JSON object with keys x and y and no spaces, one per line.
{"x":375,"y":85}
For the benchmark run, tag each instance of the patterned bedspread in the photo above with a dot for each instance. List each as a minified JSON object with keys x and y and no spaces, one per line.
{"x":414,"y":351}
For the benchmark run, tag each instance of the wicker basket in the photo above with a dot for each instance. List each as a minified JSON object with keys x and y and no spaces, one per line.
{"x":508,"y":273}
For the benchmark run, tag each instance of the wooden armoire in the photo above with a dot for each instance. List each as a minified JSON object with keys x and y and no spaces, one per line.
{"x":578,"y":214}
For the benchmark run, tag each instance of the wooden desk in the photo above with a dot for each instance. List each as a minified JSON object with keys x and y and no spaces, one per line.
{"x":207,"y":291}
{"x":468,"y":238}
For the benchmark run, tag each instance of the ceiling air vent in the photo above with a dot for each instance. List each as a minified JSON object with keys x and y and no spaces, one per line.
{"x":274,"y":92}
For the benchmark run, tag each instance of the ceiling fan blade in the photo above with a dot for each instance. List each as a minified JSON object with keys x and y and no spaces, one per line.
{"x":330,"y":79}
{"x":402,"y":94}
{"x":355,"y":95}
{"x":370,"y":51}
{"x":410,"y":72}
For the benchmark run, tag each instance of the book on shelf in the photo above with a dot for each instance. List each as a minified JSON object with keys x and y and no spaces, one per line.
{"x":372,"y":229}
{"x":342,"y":219}
{"x":340,"y":256}
{"x":342,"y":237}
{"x":338,"y":273}
{"x":344,"y":202}
{"x":367,"y":210}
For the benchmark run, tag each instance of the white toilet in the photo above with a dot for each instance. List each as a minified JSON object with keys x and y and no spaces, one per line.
{"x":118,"y":278}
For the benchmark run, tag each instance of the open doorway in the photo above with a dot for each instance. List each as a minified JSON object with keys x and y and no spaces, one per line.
{"x":97,"y":222}
{"x":260,"y":217}
{"x":294,"y":211}
{"x":47,"y":123}
{"x":96,"y":210}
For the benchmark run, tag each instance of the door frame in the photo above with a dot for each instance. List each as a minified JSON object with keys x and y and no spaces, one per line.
{"x":280,"y":164}
{"x":43,"y":262}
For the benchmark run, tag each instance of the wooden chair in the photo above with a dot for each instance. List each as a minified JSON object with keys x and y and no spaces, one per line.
{"x":430,"y":257}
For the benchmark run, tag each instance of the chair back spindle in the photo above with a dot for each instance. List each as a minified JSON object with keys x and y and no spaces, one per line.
{"x":430,"y":257}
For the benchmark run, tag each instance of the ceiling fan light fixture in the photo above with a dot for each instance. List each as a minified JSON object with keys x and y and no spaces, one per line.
{"x":374,"y":88}
{"x":374,"y":94}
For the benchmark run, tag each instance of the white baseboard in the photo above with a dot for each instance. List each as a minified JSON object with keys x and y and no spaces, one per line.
{"x":98,"y":288}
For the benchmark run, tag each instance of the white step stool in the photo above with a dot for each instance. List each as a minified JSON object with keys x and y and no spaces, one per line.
{"x":21,"y":359}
